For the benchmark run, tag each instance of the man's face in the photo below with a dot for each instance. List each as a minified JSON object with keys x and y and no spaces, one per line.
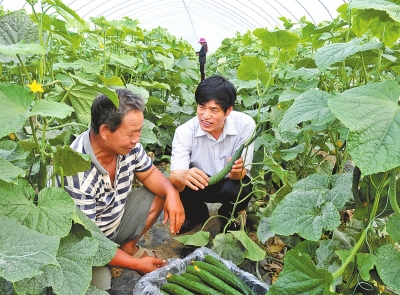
{"x":212,"y":118}
{"x":127,"y":135}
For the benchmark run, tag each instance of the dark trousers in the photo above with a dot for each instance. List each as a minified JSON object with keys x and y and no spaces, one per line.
{"x":226,"y":192}
{"x":203,"y":74}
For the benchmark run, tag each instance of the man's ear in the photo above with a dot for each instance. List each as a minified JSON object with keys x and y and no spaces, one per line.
{"x":103,"y":131}
{"x":229,"y":110}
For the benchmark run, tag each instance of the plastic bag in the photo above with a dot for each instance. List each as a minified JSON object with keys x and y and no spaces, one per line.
{"x":150,"y":283}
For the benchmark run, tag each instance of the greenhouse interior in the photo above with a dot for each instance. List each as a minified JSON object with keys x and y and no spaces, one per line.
{"x":199,"y":147}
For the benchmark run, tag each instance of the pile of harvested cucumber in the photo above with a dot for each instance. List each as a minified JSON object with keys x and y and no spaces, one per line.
{"x":208,"y":277}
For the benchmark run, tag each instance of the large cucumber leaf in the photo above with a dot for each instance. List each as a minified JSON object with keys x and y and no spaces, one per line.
{"x":312,"y":106}
{"x":312,"y":207}
{"x":391,"y":8}
{"x":387,"y":265}
{"x":52,"y":214}
{"x":72,"y":273}
{"x":371,"y":112}
{"x":301,"y":277}
{"x":23,"y":252}
{"x":16,"y":102}
{"x":18,"y":33}
{"x":332,"y":53}
{"x":106,"y":248}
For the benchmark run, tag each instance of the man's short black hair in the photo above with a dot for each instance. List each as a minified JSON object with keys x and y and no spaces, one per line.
{"x":216,"y":88}
{"x":104,"y":111}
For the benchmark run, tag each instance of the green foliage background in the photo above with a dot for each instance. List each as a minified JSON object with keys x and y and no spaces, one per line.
{"x":325,"y":95}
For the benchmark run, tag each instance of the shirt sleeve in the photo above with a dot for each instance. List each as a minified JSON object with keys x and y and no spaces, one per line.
{"x":181,"y":150}
{"x":83,"y":199}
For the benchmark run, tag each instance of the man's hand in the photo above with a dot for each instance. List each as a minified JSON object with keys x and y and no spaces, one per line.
{"x":238,"y":171}
{"x":193,"y":178}
{"x":149,"y":264}
{"x":174,"y":211}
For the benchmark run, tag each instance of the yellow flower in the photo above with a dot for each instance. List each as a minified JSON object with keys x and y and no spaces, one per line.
{"x":35,"y":87}
{"x":101,"y":45}
{"x":12,"y":136}
{"x":279,"y":106}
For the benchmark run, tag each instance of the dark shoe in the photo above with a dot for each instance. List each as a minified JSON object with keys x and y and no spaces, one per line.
{"x":188,"y":225}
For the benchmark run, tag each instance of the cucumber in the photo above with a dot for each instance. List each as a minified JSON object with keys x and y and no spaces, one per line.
{"x":213,"y":281}
{"x":224,"y":171}
{"x":174,"y":289}
{"x":214,"y":261}
{"x":193,"y":286}
{"x":191,"y":277}
{"x":227,"y":276}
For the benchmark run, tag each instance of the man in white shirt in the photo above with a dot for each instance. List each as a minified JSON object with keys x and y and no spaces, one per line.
{"x":202,"y":147}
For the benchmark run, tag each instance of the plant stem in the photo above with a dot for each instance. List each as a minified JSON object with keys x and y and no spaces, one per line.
{"x":361,"y":240}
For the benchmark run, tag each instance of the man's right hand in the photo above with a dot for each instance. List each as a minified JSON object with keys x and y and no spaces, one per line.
{"x":193,"y":178}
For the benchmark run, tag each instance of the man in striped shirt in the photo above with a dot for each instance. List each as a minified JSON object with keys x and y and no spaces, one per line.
{"x":104,"y":192}
{"x":202,"y":147}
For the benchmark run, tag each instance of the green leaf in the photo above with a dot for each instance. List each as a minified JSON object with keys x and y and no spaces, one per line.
{"x":22,"y":49}
{"x":20,"y":32}
{"x":287,"y":177}
{"x":6,"y":287}
{"x":290,"y":154}
{"x":307,"y":210}
{"x":71,"y":161}
{"x":15,"y":101}
{"x":125,"y":60}
{"x":388,"y":266}
{"x":138,"y":90}
{"x":198,"y":239}
{"x":73,"y":273}
{"x":155,"y":85}
{"x":300,"y":276}
{"x":52,"y":214}
{"x":81,"y":98}
{"x":264,"y":230}
{"x":253,"y":68}
{"x":392,"y":9}
{"x":96,"y":88}
{"x":51,"y":109}
{"x":365,"y":263}
{"x":167,"y":61}
{"x":253,"y":251}
{"x":332,"y":53}
{"x":23,"y":252}
{"x":311,"y":105}
{"x":112,"y":81}
{"x":9,"y":172}
{"x":228,"y":248}
{"x":393,"y":227}
{"x":106,"y":248}
{"x":372,"y":114}
{"x":281,"y":39}
{"x":341,"y":191}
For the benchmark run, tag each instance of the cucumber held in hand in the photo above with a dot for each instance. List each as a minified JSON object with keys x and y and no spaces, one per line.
{"x":221,"y":174}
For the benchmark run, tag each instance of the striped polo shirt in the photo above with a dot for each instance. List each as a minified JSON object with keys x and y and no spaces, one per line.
{"x":92,"y":190}
{"x":192,"y":147}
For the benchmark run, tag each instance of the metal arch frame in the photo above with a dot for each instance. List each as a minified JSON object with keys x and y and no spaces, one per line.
{"x":220,"y":24}
{"x":197,"y":9}
{"x":274,"y":18}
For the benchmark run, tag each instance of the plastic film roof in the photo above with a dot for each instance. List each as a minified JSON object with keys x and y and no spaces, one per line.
{"x":214,"y":20}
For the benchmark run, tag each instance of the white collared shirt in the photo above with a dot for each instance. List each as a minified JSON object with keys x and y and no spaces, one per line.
{"x":192,"y":147}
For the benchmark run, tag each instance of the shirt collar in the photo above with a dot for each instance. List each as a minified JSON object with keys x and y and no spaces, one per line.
{"x":229,"y":129}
